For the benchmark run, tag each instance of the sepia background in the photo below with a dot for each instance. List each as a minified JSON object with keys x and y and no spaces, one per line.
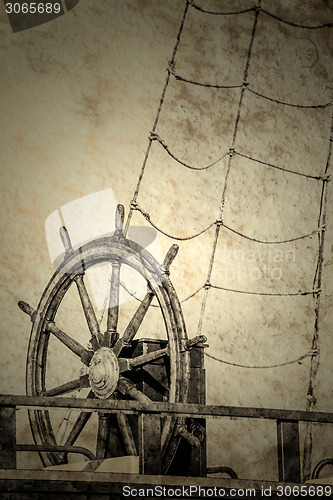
{"x":79,"y":99}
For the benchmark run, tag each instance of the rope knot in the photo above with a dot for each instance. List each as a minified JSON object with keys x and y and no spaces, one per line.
{"x":144,"y":213}
{"x":154,"y":137}
{"x":245,"y":84}
{"x":171,"y":68}
{"x":207,"y":285}
{"x":133,"y":205}
{"x":232,"y":152}
{"x":219,"y":222}
{"x":312,"y":400}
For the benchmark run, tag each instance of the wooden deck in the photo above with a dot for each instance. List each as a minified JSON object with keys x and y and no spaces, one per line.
{"x":51,"y":485}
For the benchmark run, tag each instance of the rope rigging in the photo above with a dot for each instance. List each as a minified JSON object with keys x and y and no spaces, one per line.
{"x":244,"y":88}
{"x":172,"y":71}
{"x":317,"y":280}
{"x":263,"y":367}
{"x":218,"y":222}
{"x":264,"y":11}
{"x":232,"y":151}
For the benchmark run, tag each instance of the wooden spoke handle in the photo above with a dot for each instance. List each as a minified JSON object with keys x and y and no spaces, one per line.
{"x":27,"y":309}
{"x":170,"y":257}
{"x":119,"y":220}
{"x":66,"y":241}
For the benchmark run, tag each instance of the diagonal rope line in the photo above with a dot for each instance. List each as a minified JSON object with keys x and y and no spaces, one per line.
{"x":136,"y":192}
{"x":232,"y":151}
{"x":268,"y":294}
{"x":227,"y":13}
{"x":156,"y":137}
{"x":249,"y":89}
{"x":224,"y":289}
{"x":314,"y":177}
{"x":309,"y":235}
{"x":290,"y":104}
{"x":297,"y":25}
{"x":147,"y":216}
{"x":171,"y":70}
{"x":217,"y":231}
{"x":193,"y":294}
{"x":238,"y":365}
{"x":204,"y":84}
{"x":254,"y":8}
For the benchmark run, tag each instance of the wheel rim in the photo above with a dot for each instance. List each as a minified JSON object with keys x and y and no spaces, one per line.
{"x":126,"y":253}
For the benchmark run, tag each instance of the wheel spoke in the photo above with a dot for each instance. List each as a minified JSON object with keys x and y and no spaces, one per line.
{"x":127,"y":388}
{"x":66,"y":240}
{"x":170,"y":257}
{"x":51,"y":327}
{"x":88,"y":312}
{"x":135,"y":323}
{"x":102,"y":435}
{"x":79,"y":424}
{"x":151,"y":378}
{"x":72,"y":344}
{"x":119,"y":220}
{"x":144,"y":359}
{"x":126,"y":432}
{"x":68,"y":386}
{"x":111,"y":335}
{"x":62,"y":429}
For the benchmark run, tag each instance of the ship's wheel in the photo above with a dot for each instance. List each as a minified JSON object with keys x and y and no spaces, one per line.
{"x":107,"y":357}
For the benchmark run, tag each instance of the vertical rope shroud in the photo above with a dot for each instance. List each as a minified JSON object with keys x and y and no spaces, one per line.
{"x":150,"y":140}
{"x":311,"y":401}
{"x":231,"y":155}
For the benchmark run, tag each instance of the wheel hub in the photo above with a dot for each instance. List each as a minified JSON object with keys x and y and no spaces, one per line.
{"x":103,"y":372}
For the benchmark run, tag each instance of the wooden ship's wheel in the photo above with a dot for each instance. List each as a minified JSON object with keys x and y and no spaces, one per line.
{"x":112,"y":359}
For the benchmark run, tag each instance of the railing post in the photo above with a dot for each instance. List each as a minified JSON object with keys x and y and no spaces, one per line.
{"x":288,"y":451}
{"x":197,"y":395}
{"x":7,"y":438}
{"x":149,"y":437}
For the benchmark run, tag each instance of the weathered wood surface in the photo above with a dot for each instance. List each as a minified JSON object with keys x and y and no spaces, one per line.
{"x":73,"y":484}
{"x":289,"y":460}
{"x":120,"y":252}
{"x":197,"y":410}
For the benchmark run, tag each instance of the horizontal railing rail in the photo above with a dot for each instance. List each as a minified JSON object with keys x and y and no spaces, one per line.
{"x":176,"y":409}
{"x":287,"y":424}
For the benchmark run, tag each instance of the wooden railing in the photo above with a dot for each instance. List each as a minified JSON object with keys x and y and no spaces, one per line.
{"x":287,"y":423}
